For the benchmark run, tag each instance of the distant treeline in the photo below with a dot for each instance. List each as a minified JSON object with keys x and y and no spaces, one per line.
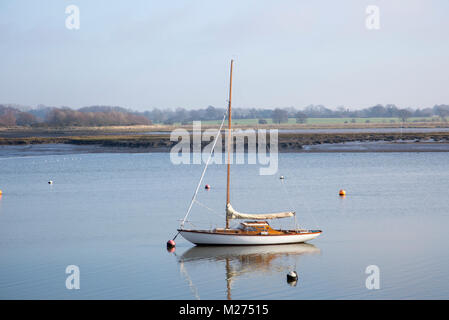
{"x":60,"y":117}
{"x":12,"y":115}
{"x":280,"y":115}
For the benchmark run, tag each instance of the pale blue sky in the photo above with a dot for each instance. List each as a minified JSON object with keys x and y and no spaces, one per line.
{"x":167,"y":54}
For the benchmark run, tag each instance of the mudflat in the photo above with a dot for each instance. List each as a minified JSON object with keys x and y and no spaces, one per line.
{"x":297,"y":138}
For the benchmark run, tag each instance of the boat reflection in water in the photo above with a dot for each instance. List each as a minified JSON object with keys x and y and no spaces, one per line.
{"x":246,"y":260}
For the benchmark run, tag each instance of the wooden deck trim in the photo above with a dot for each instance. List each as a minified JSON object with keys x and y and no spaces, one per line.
{"x":249,"y":234}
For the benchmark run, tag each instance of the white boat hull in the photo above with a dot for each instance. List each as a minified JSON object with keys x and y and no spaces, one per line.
{"x":211,"y":238}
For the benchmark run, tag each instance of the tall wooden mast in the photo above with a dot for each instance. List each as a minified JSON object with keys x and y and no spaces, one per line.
{"x":230,"y":144}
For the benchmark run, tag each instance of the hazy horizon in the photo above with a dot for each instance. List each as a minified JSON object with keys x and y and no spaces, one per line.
{"x":149,"y":54}
{"x":42,"y":106}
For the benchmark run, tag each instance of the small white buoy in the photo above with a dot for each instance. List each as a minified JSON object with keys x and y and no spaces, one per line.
{"x":281,"y":177}
{"x":50,"y":182}
{"x":292,"y":276}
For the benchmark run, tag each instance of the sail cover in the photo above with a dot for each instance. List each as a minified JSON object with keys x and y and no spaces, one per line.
{"x":232,"y":214}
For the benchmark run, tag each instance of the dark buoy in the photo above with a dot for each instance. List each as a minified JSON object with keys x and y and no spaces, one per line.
{"x":207,"y":187}
{"x":171,"y":243}
{"x":292,"y":278}
{"x":50,"y":182}
{"x":171,"y":246}
{"x":281,"y":177}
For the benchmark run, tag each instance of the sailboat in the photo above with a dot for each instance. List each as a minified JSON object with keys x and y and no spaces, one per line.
{"x":255,"y":231}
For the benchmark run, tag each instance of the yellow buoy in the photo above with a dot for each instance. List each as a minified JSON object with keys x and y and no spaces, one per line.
{"x":1,"y":192}
{"x":342,"y":193}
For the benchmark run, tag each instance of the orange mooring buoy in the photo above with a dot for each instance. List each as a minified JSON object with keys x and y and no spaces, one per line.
{"x":171,"y":244}
{"x":1,"y":192}
{"x":342,"y":193}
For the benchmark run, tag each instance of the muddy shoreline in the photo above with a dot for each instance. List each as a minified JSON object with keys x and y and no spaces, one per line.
{"x":287,"y":142}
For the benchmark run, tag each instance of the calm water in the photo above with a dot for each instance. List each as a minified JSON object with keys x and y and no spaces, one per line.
{"x":111,"y":215}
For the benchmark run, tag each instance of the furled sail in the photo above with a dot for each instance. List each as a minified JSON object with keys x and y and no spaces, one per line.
{"x":232,"y":214}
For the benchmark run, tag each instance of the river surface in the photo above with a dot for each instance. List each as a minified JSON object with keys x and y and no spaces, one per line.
{"x":111,"y":214}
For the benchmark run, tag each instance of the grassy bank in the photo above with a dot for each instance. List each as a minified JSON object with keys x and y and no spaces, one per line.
{"x":312,"y":123}
{"x":333,"y":121}
{"x":287,"y":141}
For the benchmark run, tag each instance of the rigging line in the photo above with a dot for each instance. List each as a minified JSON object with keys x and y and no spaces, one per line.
{"x":191,"y":223}
{"x":204,"y":171}
{"x":204,"y":206}
{"x":289,"y":202}
{"x":307,"y":210}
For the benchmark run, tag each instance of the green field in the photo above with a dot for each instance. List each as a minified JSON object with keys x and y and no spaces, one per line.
{"x":324,"y":121}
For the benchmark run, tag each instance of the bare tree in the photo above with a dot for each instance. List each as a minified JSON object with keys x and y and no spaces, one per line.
{"x":26,"y":119}
{"x":8,"y":119}
{"x":442,"y":111}
{"x":279,"y":116}
{"x":404,"y":114}
{"x":301,"y":117}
